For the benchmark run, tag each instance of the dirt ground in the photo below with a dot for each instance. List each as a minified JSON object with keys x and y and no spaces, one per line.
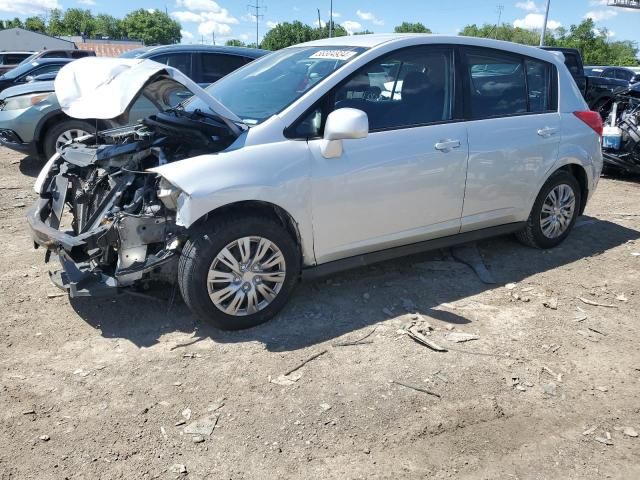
{"x":111,"y":388}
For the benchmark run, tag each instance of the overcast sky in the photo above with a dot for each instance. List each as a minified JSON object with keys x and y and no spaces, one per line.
{"x":233,"y":19}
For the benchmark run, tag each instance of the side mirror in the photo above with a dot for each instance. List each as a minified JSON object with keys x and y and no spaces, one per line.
{"x":343,"y":124}
{"x":29,"y":78}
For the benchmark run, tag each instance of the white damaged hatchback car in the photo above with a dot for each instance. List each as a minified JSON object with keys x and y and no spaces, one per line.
{"x":318,"y":157}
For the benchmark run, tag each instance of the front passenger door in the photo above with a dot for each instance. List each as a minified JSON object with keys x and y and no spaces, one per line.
{"x":404,"y":183}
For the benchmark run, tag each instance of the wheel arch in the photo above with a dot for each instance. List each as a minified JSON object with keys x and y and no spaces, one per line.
{"x":580,"y":174}
{"x":261,"y":207}
{"x":51,"y":120}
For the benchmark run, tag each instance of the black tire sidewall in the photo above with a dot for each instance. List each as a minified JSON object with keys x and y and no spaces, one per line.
{"x":203,"y":247}
{"x":558,"y":178}
{"x":50,"y":137}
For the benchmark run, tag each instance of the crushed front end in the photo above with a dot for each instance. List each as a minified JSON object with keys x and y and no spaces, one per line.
{"x":111,"y":221}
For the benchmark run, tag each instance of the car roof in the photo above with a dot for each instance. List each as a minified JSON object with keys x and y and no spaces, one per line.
{"x":244,"y":51}
{"x":22,"y":52}
{"x":375,"y":40}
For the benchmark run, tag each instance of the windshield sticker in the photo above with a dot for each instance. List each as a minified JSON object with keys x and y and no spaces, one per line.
{"x":334,"y":54}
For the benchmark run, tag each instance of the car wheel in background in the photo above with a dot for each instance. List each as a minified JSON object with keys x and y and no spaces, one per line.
{"x":554,"y":212}
{"x":61,"y":133}
{"x":238,"y":273}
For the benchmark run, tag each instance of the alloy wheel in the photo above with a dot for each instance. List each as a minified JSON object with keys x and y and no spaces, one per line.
{"x":68,"y":136}
{"x":246,"y":276}
{"x":558,"y":210}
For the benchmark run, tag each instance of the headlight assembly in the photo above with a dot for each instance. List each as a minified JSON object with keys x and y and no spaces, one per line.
{"x":24,"y":101}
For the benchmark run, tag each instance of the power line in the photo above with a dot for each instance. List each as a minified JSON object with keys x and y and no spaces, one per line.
{"x":258,"y":6}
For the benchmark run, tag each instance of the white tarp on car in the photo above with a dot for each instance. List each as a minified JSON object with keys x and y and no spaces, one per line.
{"x":105,"y":88}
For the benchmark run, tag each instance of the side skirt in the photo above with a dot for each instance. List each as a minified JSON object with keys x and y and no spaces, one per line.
{"x":331,"y":268}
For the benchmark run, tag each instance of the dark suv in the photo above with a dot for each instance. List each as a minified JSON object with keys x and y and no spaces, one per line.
{"x":204,"y":64}
{"x":74,"y":54}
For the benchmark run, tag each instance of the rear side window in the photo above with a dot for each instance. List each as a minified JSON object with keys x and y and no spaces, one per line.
{"x":540,"y":85}
{"x":497,"y":85}
{"x":181,"y":61}
{"x":214,"y":66}
{"x":80,"y":54}
{"x":55,"y":55}
{"x":623,"y":74}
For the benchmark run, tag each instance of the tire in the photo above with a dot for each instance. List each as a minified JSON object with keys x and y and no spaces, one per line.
{"x":202,"y":250}
{"x":533,"y":234}
{"x":73,"y":127}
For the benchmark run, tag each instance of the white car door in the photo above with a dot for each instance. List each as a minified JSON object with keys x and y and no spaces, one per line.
{"x":404,"y":183}
{"x":514,"y":135}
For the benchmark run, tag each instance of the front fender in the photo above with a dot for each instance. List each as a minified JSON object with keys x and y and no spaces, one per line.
{"x":276,"y":173}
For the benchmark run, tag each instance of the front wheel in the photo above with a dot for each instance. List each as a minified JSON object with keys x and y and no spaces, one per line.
{"x":238,"y":274}
{"x":65,"y":131}
{"x":554,"y":212}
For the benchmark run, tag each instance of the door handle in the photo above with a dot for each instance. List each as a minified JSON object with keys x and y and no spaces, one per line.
{"x":547,"y":132}
{"x":447,"y":145}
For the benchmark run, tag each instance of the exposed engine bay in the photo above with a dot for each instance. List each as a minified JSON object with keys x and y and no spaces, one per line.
{"x":122,"y":217}
{"x":621,"y":139}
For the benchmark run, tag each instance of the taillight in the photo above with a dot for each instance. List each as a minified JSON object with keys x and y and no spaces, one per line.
{"x":591,"y":118}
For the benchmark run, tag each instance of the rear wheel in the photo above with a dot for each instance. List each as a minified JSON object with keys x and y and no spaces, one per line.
{"x":63,"y":132}
{"x":554,"y":212}
{"x":238,"y":274}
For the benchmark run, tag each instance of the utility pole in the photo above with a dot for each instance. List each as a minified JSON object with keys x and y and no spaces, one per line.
{"x":331,"y":20}
{"x":500,"y":9}
{"x":258,"y":16}
{"x":544,"y":25}
{"x":319,"y":21}
{"x":213,"y":37}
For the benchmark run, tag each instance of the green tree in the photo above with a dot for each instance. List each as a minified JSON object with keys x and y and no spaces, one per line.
{"x":15,"y":23}
{"x":364,"y":32}
{"x":407,"y":27}
{"x":286,"y":34}
{"x":152,"y":28}
{"x":35,"y":24}
{"x":108,"y":26}
{"x":77,"y":21}
{"x":338,"y":31}
{"x":505,"y":32}
{"x":55,"y":26}
{"x":235,"y":43}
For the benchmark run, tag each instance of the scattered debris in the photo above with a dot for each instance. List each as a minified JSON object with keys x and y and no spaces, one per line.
{"x":286,"y":380}
{"x":219,"y":403}
{"x":202,"y":426}
{"x":630,"y":432}
{"x":191,"y":355}
{"x":312,"y":357}
{"x":580,"y":316}
{"x":596,"y":304}
{"x":510,"y":286}
{"x":622,"y":298}
{"x":44,"y":438}
{"x":602,"y":389}
{"x":418,"y":332}
{"x":603,"y":440}
{"x":180,"y":422}
{"x":597,"y":331}
{"x":19,"y":205}
{"x":164,"y":433}
{"x":57,"y":294}
{"x":177,"y":384}
{"x":197,"y":439}
{"x":325,"y":407}
{"x":459,"y":337}
{"x":360,"y":341}
{"x":591,"y":430}
{"x":587,"y":335}
{"x":470,"y":255}
{"x":186,"y":413}
{"x":178,"y":468}
{"x":549,"y":388}
{"x":29,"y":412}
{"x":551,"y":303}
{"x":418,"y":389}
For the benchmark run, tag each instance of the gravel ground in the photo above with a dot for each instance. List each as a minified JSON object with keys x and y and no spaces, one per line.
{"x":131,"y":387}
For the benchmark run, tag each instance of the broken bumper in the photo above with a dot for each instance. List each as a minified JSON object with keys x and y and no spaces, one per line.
{"x":79,"y":276}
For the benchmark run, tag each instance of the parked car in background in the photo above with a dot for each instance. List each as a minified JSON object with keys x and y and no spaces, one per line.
{"x":73,"y":54}
{"x":318,"y":157}
{"x":596,"y":90}
{"x":28,"y":71}
{"x":42,"y":128}
{"x":621,"y":73}
{"x":204,"y":64}
{"x":10,"y":60}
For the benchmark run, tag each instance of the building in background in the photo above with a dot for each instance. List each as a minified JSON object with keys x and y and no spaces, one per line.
{"x":19,"y":39}
{"x":105,"y":47}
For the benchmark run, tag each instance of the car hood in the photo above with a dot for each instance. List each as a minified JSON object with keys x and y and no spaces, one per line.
{"x":27,"y":88}
{"x":106,"y":88}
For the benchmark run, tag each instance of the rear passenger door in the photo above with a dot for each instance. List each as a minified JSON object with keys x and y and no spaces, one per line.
{"x":514,"y":134}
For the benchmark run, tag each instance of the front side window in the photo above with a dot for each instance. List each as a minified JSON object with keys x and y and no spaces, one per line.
{"x":623,"y":74}
{"x":497,"y":85}
{"x":271,"y":83}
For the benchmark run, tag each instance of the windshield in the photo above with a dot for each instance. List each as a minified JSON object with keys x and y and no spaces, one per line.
{"x":20,"y":70}
{"x":29,"y":59}
{"x":270,"y":84}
